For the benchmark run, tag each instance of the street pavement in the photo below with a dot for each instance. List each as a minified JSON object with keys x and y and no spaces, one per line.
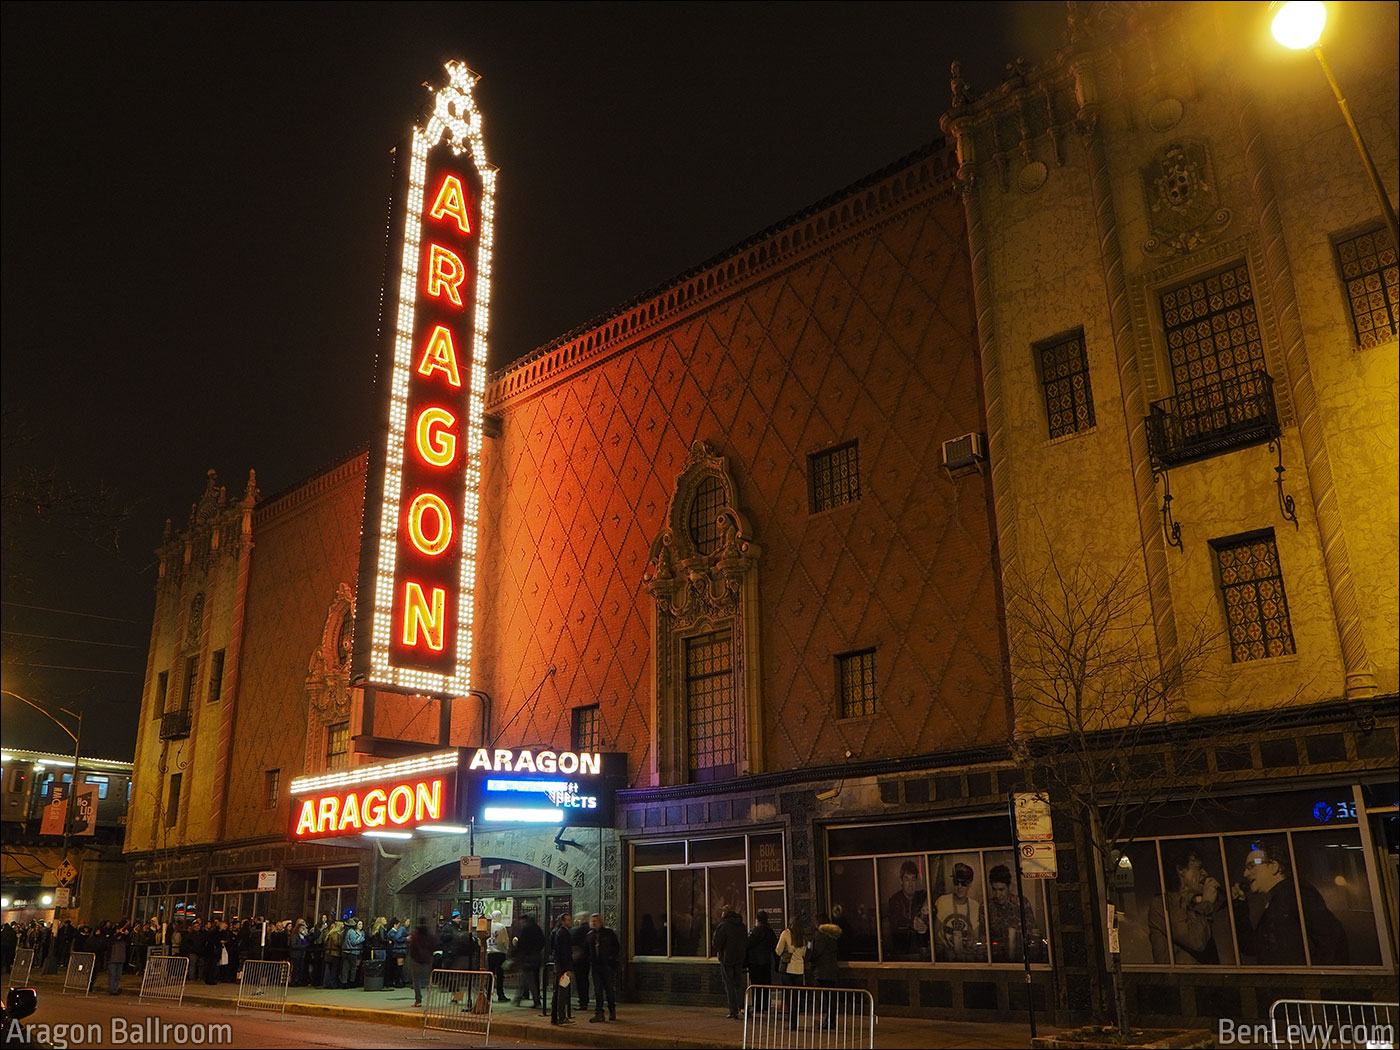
{"x":638,"y":1025}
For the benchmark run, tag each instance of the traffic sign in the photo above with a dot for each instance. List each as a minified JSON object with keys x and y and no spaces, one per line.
{"x":471,"y":868}
{"x":1038,"y":860}
{"x":1033,"y":817}
{"x":65,"y":873}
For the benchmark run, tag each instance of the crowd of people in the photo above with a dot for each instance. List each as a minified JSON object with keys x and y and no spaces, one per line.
{"x":802,"y":956}
{"x":332,"y":953}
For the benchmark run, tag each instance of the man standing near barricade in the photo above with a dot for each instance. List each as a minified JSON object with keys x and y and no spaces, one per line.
{"x":580,"y":933}
{"x":729,"y":944}
{"x":562,"y":952}
{"x":604,"y":958}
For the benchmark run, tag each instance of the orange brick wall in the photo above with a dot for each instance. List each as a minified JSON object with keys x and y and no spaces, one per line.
{"x":873,"y":340}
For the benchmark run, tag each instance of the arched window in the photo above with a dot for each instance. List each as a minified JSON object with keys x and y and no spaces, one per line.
{"x":703,"y":574}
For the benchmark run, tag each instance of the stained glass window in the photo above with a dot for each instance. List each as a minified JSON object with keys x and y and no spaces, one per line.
{"x":1064,"y":371}
{"x":704,"y":515}
{"x":1212,"y":329}
{"x":1255,"y":605}
{"x":1371,"y":276}
{"x":856,"y":677}
{"x":709,"y":687}
{"x":835,"y":476}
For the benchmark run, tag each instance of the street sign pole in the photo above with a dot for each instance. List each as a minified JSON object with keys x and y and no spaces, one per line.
{"x":1021,"y":899}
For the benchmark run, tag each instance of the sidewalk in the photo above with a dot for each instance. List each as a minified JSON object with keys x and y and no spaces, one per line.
{"x":638,"y":1025}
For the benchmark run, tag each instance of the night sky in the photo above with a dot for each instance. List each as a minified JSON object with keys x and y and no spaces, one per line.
{"x":194,"y":207}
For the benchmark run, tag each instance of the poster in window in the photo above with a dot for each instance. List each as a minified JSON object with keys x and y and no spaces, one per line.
{"x":1188,"y":922}
{"x":1008,"y":939}
{"x":958,"y":919}
{"x":904,"y":913}
{"x":852,"y":907}
{"x":1135,"y":886}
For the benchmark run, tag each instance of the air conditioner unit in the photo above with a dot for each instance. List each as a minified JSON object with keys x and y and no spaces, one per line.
{"x":966,"y":454}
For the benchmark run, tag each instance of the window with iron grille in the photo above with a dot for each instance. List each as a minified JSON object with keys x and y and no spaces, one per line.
{"x":216,"y":676}
{"x":172,"y":804}
{"x":1256,"y":608}
{"x":835,"y":475}
{"x":338,"y":745}
{"x":711,"y":717}
{"x":162,"y":690}
{"x":1064,"y":372}
{"x":705,"y":506}
{"x":191,"y":678}
{"x":1372,"y":282}
{"x":585,"y":728}
{"x":855,"y":679}
{"x":272,"y":785}
{"x":1212,"y":329}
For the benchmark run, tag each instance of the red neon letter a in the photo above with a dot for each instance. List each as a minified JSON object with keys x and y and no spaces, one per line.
{"x":451,"y":200}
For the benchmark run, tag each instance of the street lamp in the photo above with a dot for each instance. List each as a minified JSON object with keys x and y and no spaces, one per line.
{"x":77,"y":739}
{"x":1298,"y":24}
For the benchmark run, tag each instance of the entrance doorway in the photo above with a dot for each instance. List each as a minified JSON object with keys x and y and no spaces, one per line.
{"x":507,"y":889}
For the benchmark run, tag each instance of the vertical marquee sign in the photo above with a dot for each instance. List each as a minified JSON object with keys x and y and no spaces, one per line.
{"x":418,"y":550}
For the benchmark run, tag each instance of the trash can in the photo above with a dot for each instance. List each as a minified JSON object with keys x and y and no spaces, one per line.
{"x":373,"y":968}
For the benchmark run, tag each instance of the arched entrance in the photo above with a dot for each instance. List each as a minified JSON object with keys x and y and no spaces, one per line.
{"x":508,"y":888}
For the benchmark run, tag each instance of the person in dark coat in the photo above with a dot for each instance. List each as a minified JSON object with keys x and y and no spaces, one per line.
{"x":728,"y":944}
{"x":604,"y":959}
{"x":561,"y":946}
{"x":421,"y":943}
{"x":580,"y":933}
{"x":759,"y":957}
{"x":529,"y":954}
{"x":116,"y":958}
{"x":1276,"y":937}
{"x":821,"y":963}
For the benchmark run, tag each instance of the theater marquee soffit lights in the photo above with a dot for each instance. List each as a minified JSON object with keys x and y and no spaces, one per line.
{"x":446,"y":790}
{"x":419,"y":549}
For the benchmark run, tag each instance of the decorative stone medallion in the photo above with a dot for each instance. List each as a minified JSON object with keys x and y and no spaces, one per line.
{"x":1183,"y":204}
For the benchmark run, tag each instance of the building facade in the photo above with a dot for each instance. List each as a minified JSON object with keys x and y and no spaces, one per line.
{"x":776,"y":532}
{"x":1186,"y":300}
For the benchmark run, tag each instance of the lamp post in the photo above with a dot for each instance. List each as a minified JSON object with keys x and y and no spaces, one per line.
{"x":77,"y":739}
{"x":1298,"y":24}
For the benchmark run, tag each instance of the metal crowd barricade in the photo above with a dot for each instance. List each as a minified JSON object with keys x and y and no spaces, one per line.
{"x":460,"y":1001}
{"x":1309,"y":1023}
{"x":80,"y":972}
{"x":263,"y":986}
{"x":786,"y":1017}
{"x":164,"y":978}
{"x":23,"y":966}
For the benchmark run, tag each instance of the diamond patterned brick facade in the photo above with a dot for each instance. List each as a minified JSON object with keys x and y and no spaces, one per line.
{"x":868,"y":339}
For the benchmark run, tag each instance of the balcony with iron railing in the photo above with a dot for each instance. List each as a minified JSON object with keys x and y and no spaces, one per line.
{"x":175,"y":725}
{"x":1234,"y":413}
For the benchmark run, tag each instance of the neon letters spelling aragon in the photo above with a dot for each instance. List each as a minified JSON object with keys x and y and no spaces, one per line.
{"x":378,"y":807}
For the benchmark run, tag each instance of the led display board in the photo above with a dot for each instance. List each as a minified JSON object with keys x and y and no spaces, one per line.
{"x":418,"y":549}
{"x":555,"y":789}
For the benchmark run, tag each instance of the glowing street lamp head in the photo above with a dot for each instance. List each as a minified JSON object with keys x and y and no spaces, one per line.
{"x":1298,"y":23}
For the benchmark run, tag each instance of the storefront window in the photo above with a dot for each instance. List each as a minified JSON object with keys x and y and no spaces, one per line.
{"x":1299,"y":896}
{"x":681,"y":889}
{"x":958,"y":907}
{"x":165,"y":900}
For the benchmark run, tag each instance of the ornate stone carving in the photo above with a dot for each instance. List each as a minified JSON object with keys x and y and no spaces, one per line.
{"x":328,"y":672}
{"x":1183,"y":204}
{"x":713,"y":589}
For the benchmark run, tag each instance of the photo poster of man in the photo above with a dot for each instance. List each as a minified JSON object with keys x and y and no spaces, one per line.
{"x":1185,"y":902}
{"x":1302,"y":899}
{"x":904,"y":915}
{"x":958,"y":914}
{"x":1006,"y":937}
